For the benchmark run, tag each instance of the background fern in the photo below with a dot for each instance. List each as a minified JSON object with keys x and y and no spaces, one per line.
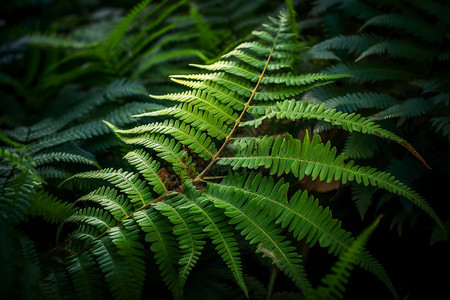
{"x":398,"y":65}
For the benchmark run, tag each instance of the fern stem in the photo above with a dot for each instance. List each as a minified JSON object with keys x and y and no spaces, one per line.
{"x":206,"y":178}
{"x":271,"y":284}
{"x":238,"y":120}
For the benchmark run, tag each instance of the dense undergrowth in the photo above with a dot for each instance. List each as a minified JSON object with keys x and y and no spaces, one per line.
{"x":228,"y":149}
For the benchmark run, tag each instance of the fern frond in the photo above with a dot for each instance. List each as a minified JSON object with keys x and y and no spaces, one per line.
{"x":334,"y":283}
{"x":116,"y":270}
{"x":168,"y":149}
{"x":126,"y":239}
{"x":203,"y":120}
{"x":407,"y":109}
{"x":17,"y":196}
{"x":399,"y":49}
{"x":198,"y":141}
{"x":85,"y":234}
{"x":374,"y":71}
{"x":201,"y":134}
{"x":258,"y":229}
{"x":360,"y":146}
{"x":289,"y":79}
{"x":50,"y":208}
{"x":189,"y":234}
{"x":354,"y":101}
{"x":442,"y":124}
{"x":120,"y":116}
{"x":117,"y":205}
{"x":204,"y":101}
{"x":163,"y":244}
{"x":128,"y":182}
{"x":85,"y":276}
{"x":296,"y":110}
{"x":150,"y":47}
{"x":51,"y":157}
{"x":217,"y":229}
{"x":95,"y":217}
{"x":353,"y":44}
{"x":55,"y":41}
{"x":301,"y":215}
{"x":117,"y":89}
{"x":113,"y":39}
{"x":285,"y":155}
{"x":263,"y":194}
{"x":412,"y":24}
{"x":148,"y":167}
{"x":363,"y":197}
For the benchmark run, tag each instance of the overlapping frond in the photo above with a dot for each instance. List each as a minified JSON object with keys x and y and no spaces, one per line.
{"x":128,"y":182}
{"x":258,"y":229}
{"x":262,"y":194}
{"x":164,"y":245}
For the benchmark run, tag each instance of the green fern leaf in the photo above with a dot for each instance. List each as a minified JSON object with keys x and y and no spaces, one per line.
{"x":374,"y":71}
{"x":17,"y":197}
{"x":408,"y":109}
{"x":51,"y":157}
{"x":117,"y":205}
{"x":126,"y":239}
{"x":204,"y":101}
{"x":168,"y":149}
{"x":263,"y":194}
{"x":258,"y":229}
{"x":295,"y":110}
{"x":164,"y":245}
{"x":199,"y":142}
{"x":412,"y":24}
{"x":50,"y":208}
{"x":94,"y":217}
{"x":202,"y":131}
{"x":354,"y":43}
{"x":113,"y":39}
{"x":148,"y":168}
{"x":360,"y":146}
{"x":203,"y":120}
{"x":286,"y":155}
{"x":334,"y":283}
{"x":363,"y":198}
{"x":352,"y":102}
{"x":189,"y":236}
{"x":116,"y":270}
{"x":401,"y":49}
{"x":85,"y":276}
{"x":216,"y":228}
{"x":127,"y":182}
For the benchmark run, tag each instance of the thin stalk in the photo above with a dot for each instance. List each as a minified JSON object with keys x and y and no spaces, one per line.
{"x":238,"y":120}
{"x":271,"y":284}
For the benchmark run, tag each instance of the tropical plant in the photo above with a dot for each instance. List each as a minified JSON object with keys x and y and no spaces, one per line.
{"x":219,"y":165}
{"x":190,"y":178}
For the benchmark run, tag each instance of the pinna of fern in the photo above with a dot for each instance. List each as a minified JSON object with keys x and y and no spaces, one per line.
{"x":174,"y":198}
